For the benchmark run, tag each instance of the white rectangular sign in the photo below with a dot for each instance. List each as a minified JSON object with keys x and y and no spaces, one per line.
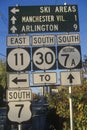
{"x":70,"y":78}
{"x":44,"y":78}
{"x":18,"y":80}
{"x":19,"y":94}
{"x":39,"y":40}
{"x":18,"y":41}
{"x":68,"y":38}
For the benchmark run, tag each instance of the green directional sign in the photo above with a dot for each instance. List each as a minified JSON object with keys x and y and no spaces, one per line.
{"x":34,"y":19}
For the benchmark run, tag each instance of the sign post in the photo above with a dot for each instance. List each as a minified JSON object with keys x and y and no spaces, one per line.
{"x":19,"y":126}
{"x":70,"y":78}
{"x":71,"y":107}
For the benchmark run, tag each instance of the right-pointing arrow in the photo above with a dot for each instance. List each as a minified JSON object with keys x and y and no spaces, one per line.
{"x":70,"y":77}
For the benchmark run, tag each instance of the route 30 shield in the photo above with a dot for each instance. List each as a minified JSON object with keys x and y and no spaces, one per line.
{"x":44,"y":58}
{"x":69,"y":57}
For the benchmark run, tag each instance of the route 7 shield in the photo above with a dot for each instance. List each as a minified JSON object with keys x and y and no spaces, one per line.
{"x":19,"y":111}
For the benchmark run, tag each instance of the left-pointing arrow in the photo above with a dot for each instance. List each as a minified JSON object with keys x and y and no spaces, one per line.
{"x":16,"y":80}
{"x":70,"y":77}
{"x":14,"y":10}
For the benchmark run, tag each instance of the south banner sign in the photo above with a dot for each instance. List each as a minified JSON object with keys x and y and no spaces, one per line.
{"x":68,"y":39}
{"x":14,"y":95}
{"x":34,"y":19}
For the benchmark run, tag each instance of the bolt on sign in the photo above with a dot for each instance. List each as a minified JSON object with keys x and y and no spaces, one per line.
{"x":34,"y":19}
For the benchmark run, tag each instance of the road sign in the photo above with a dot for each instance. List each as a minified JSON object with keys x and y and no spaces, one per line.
{"x":34,"y":19}
{"x":69,"y":78}
{"x":68,"y":38}
{"x":44,"y":58}
{"x":19,"y":80}
{"x":18,"y":41}
{"x":19,"y":111}
{"x":18,"y":59}
{"x":69,"y":57}
{"x":44,"y":78}
{"x":43,"y":40}
{"x":18,"y":95}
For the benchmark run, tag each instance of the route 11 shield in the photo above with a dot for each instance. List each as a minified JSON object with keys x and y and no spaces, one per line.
{"x":18,"y":59}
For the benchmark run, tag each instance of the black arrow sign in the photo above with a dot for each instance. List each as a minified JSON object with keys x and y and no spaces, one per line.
{"x":16,"y":80}
{"x":70,"y":77}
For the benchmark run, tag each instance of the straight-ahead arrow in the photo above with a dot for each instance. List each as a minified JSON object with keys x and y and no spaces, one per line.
{"x":13,"y":19}
{"x":70,"y":77}
{"x":16,"y":80}
{"x":13,"y":29}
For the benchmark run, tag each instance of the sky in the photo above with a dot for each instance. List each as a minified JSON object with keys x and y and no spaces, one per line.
{"x":5,"y":4}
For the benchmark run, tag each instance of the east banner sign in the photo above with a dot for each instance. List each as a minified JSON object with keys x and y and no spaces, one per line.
{"x":34,"y":19}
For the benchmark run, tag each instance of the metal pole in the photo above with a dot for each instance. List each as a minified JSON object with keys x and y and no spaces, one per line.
{"x":19,"y":127}
{"x":71,"y":107}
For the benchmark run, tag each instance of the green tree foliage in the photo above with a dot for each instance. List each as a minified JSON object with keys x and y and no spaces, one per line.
{"x":60,"y":101}
{"x":80,"y":107}
{"x":3,"y":73}
{"x":3,"y":81}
